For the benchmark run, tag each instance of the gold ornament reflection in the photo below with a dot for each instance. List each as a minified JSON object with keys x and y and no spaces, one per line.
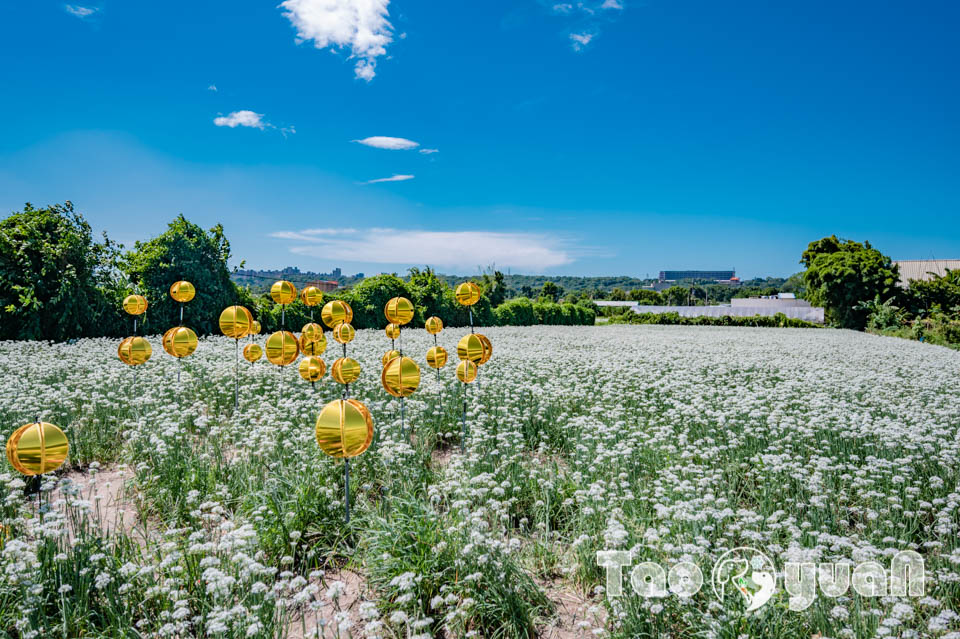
{"x":433,"y":325}
{"x":283,"y":292}
{"x":399,"y":310}
{"x":236,"y":322}
{"x":311,"y":295}
{"x":316,"y":347}
{"x":344,"y":428}
{"x":312,"y":368}
{"x":467,"y":293}
{"x":437,"y":357}
{"x":344,"y":333}
{"x":336,"y":312}
{"x":388,"y":356}
{"x":182,"y":291}
{"x":180,"y":341}
{"x":256,"y":328}
{"x":466,"y":371}
{"x":345,"y":370}
{"x":252,"y":352}
{"x":400,"y":377}
{"x":487,"y":349}
{"x":135,"y":304}
{"x":392,"y":330}
{"x":38,"y":448}
{"x":282,"y":348}
{"x":470,"y":347}
{"x":311,"y":332}
{"x":134,"y":351}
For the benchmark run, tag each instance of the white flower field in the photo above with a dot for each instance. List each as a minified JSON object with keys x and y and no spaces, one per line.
{"x":677,"y":442}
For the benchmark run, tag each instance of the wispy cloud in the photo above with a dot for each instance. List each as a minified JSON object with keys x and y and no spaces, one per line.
{"x":250,"y":119}
{"x":80,"y":11}
{"x":580,"y":40}
{"x":392,"y":178}
{"x":241,"y":118}
{"x":584,"y":18}
{"x":360,"y":25}
{"x":429,"y":151}
{"x":612,"y":4}
{"x":531,"y":251}
{"x":212,"y":87}
{"x":392,"y":144}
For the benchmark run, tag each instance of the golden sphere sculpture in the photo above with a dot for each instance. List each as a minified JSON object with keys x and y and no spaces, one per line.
{"x":399,"y":310}
{"x":37,"y":448}
{"x":282,"y":348}
{"x":236,"y":322}
{"x":316,"y":347}
{"x":388,"y":356}
{"x":312,"y":368}
{"x":344,"y":428}
{"x":252,"y":352}
{"x":311,"y":332}
{"x":182,"y":291}
{"x":400,"y":377}
{"x":345,"y":370}
{"x":487,"y":349}
{"x":467,"y":294}
{"x":344,"y":333}
{"x":437,"y":357}
{"x":180,"y":341}
{"x":283,"y":292}
{"x":336,"y":312}
{"x":392,"y":330}
{"x":466,"y":371}
{"x":134,"y":351}
{"x":433,"y":325}
{"x":135,"y":304}
{"x":470,"y":347}
{"x":311,"y":295}
{"x":256,"y":328}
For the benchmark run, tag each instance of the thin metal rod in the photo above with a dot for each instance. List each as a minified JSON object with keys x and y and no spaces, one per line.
{"x":181,"y":314}
{"x":346,"y":486}
{"x":463,"y":421}
{"x":402,"y":413}
{"x":236,"y":374}
{"x":283,"y":316}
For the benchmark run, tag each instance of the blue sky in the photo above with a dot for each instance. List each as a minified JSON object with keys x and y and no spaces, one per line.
{"x":608,"y":137}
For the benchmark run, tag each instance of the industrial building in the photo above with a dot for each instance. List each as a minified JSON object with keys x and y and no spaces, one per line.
{"x":923,"y":270}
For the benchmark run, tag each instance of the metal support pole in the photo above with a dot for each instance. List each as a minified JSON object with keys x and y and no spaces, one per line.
{"x":236,"y":374}
{"x":463,"y":421}
{"x":346,"y":486}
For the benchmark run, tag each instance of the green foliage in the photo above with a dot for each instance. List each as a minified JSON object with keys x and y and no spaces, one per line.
{"x":842,"y":273}
{"x":942,"y":291}
{"x":676,"y":296}
{"x":882,"y":315}
{"x":646,"y":297}
{"x":775,"y":321}
{"x":618,"y":295}
{"x":53,"y":276}
{"x":551,"y":292}
{"x":184,"y":252}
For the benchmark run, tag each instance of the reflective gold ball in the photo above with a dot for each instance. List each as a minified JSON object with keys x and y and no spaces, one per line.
{"x":311,"y":332}
{"x":182,"y":291}
{"x":252,"y":352}
{"x":37,"y":448}
{"x":470,"y":347}
{"x":256,"y":328}
{"x":344,"y":333}
{"x":282,"y":348}
{"x":466,"y":371}
{"x":135,"y":304}
{"x":344,"y":428}
{"x":345,"y":370}
{"x":336,"y":312}
{"x":487,"y":349}
{"x":392,"y":331}
{"x":400,"y":377}
{"x":399,"y":310}
{"x":311,"y":296}
{"x":437,"y":357}
{"x":236,"y":322}
{"x":316,"y":347}
{"x":283,"y":292}
{"x":312,"y":368}
{"x":134,"y":351}
{"x":433,"y":325}
{"x":467,"y":293}
{"x":388,"y":356}
{"x":167,"y":340}
{"x":180,"y":341}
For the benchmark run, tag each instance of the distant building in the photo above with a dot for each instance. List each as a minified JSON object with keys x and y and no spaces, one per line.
{"x":337,"y":273}
{"x":923,"y":270}
{"x":676,"y":276}
{"x":780,"y":301}
{"x":326,"y":285}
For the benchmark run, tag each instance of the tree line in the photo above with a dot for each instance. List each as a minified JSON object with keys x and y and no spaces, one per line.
{"x":58,"y":282}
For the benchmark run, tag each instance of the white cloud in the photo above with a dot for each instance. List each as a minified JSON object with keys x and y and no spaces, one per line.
{"x":446,"y":248}
{"x":384,"y":142}
{"x":580,"y":40}
{"x":242,"y":118}
{"x":360,"y":25}
{"x":612,"y":4}
{"x":79,"y":11}
{"x":212,"y":87}
{"x":429,"y":151}
{"x":392,"y":178}
{"x":563,"y":8}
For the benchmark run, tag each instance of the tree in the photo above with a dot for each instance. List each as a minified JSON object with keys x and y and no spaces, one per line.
{"x":841,"y":274}
{"x":53,"y":276}
{"x":183,"y":252}
{"x":618,"y":295}
{"x":676,"y":296}
{"x":941,"y":291}
{"x":371,"y":295}
{"x":495,"y":288}
{"x":646,"y":297}
{"x":551,"y":292}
